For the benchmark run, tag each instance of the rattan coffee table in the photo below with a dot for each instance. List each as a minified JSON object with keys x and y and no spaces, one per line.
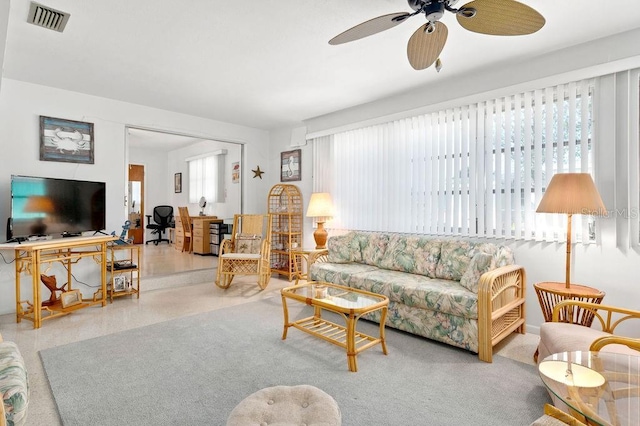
{"x":350,"y":303}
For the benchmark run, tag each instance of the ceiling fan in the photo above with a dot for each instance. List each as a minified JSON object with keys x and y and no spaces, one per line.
{"x":493,"y":17}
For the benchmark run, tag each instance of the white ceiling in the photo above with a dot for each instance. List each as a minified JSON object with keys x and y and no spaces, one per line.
{"x":267,"y":64}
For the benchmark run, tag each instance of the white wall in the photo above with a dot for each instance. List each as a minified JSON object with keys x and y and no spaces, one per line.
{"x":280,"y":142}
{"x":21,"y":104}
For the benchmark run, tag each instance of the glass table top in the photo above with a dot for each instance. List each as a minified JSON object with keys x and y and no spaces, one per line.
{"x":602,"y":386}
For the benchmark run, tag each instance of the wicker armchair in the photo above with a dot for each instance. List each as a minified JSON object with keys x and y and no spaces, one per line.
{"x":562,"y":335}
{"x":247,"y":252}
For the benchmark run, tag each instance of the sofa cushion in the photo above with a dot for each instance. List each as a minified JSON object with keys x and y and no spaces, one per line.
{"x":480,"y":263}
{"x":14,"y":385}
{"x":455,"y":256}
{"x":372,"y":247}
{"x":343,"y":249}
{"x":416,"y":255}
{"x":502,"y":255}
{"x":337,"y":273}
{"x":418,"y":291}
{"x":248,"y":243}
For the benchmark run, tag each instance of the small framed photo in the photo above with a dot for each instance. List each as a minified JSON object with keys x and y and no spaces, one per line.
{"x":177,"y":183}
{"x":66,"y":140}
{"x":119,"y":283}
{"x":291,"y":165}
{"x":70,"y":298}
{"x":235,"y":172}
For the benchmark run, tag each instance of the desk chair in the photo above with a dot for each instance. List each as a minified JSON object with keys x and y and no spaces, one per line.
{"x":162,"y":216}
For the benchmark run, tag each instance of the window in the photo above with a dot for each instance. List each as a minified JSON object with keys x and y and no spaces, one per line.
{"x":478,"y":169}
{"x":206,"y":177}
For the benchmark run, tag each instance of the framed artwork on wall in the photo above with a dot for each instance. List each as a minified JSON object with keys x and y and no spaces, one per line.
{"x":235,"y":172}
{"x":291,"y":165}
{"x":66,"y":140}
{"x":177,"y":183}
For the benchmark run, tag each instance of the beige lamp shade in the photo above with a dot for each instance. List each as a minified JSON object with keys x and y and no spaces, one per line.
{"x":320,"y":207}
{"x":571,"y":193}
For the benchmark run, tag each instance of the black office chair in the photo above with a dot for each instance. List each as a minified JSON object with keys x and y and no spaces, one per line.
{"x":163,"y":218}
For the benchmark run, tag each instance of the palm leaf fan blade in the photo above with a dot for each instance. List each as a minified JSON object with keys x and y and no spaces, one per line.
{"x":501,"y":17}
{"x":425,"y":46}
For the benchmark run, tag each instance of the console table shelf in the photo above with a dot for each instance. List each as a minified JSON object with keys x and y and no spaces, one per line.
{"x":123,"y":254}
{"x":30,"y":256}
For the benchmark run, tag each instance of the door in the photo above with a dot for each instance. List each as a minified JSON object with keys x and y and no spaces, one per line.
{"x":136,"y":203}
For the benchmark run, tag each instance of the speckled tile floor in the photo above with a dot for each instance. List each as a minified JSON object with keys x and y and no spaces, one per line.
{"x":153,"y":307}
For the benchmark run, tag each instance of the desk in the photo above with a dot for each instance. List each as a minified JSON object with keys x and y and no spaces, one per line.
{"x":201,"y":235}
{"x":602,"y":388}
{"x":31,"y":254}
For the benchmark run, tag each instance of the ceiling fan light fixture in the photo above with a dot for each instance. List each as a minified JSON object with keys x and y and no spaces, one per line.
{"x":438,"y":65}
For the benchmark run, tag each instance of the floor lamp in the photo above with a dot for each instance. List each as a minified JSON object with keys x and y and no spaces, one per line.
{"x":320,"y":208}
{"x":571,"y":193}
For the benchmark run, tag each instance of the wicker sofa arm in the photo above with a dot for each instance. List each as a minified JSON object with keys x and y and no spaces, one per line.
{"x":609,"y":316}
{"x":318,"y":256}
{"x":501,"y":307}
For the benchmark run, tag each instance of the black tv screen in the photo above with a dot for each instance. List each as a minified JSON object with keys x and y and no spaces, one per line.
{"x":48,"y":206}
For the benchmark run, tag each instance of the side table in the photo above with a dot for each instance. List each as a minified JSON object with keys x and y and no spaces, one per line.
{"x":298,"y":255}
{"x":551,"y":293}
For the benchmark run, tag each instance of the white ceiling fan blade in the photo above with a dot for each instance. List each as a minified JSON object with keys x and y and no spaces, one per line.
{"x":370,"y":27}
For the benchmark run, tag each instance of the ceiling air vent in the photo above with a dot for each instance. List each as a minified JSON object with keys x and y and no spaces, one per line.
{"x":47,"y":17}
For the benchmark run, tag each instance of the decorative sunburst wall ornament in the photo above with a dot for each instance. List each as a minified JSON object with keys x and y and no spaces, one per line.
{"x":257,"y":172}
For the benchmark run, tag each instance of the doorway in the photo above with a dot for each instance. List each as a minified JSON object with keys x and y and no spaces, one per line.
{"x":136,"y":203}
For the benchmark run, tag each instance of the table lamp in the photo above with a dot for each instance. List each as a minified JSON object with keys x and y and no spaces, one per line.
{"x":571,"y":193}
{"x":320,"y":208}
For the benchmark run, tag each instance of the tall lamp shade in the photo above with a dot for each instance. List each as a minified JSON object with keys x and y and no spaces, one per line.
{"x":320,"y":208}
{"x":571,"y":193}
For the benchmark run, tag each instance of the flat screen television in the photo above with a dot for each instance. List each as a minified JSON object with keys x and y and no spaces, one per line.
{"x":48,"y":206}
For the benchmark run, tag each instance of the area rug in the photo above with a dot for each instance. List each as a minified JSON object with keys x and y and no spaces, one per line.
{"x":195,"y":370}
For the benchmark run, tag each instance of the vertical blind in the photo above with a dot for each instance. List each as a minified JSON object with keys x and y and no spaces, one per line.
{"x":206,"y":177}
{"x":477,"y":170}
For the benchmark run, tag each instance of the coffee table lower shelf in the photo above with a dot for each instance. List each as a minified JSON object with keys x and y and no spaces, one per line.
{"x":335,"y":333}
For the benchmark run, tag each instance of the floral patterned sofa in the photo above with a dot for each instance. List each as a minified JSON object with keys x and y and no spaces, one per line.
{"x":14,"y":385}
{"x":463,"y":293}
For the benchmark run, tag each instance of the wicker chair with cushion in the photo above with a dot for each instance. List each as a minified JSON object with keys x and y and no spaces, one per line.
{"x":247,"y":252}
{"x":558,"y":336}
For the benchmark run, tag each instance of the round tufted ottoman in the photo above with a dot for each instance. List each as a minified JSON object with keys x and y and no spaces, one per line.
{"x":301,"y":405}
